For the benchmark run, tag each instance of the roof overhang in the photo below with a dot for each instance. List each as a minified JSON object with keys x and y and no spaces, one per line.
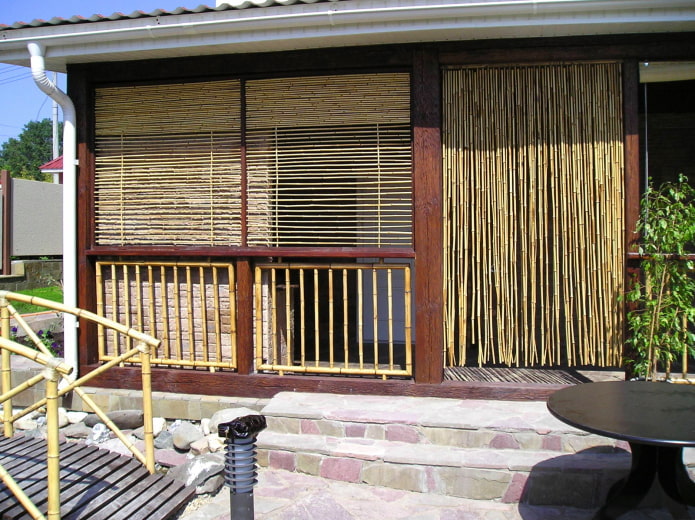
{"x":336,"y":24}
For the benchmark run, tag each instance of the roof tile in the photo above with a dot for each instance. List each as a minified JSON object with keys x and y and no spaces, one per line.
{"x":231,"y":5}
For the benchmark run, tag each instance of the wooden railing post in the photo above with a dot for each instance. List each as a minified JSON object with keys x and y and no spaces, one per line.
{"x":53,"y":442}
{"x":6,"y":368}
{"x":145,"y":358}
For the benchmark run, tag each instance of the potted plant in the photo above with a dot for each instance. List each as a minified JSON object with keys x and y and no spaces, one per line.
{"x":662,"y":313}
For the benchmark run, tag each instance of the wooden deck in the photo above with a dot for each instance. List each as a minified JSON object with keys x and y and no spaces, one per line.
{"x":95,"y":483}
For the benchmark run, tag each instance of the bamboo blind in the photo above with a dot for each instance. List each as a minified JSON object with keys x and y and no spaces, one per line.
{"x":533,"y":216}
{"x":329,"y":164}
{"x":167,"y":167}
{"x":190,"y":307}
{"x":334,"y":318}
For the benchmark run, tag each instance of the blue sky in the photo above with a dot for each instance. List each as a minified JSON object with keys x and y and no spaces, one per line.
{"x":20,"y":100}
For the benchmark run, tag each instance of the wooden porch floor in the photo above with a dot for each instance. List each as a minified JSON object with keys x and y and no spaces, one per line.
{"x":94,"y":483}
{"x":546,"y":376}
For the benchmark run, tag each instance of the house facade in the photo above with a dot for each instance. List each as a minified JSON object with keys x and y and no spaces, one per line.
{"x":364,"y":197}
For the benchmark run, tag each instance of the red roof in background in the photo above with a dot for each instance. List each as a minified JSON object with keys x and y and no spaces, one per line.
{"x":55,"y":164}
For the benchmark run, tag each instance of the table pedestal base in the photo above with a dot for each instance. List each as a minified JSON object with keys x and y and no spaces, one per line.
{"x":649,"y":463}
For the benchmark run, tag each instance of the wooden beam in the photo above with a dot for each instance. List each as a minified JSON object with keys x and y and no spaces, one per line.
{"x":427,"y":216}
{"x":265,"y":385}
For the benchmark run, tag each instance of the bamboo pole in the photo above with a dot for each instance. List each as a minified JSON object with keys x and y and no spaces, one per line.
{"x":178,"y":335}
{"x":288,"y":318}
{"x":189,"y":315}
{"x":346,"y":351}
{"x":53,"y":441}
{"x":258,"y":284}
{"x":6,"y":368}
{"x":204,"y":316}
{"x":148,"y":414}
{"x":317,"y":324}
{"x":21,"y":496}
{"x":331,"y":320}
{"x":166,"y":326}
{"x":302,"y":324}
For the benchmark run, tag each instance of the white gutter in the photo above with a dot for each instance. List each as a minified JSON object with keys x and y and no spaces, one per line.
{"x":38,"y":71}
{"x":357,"y":22}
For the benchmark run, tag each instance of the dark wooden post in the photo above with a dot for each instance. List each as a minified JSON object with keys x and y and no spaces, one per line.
{"x":6,"y":183}
{"x":427,"y":215}
{"x":244,"y":301}
{"x":632,"y":183}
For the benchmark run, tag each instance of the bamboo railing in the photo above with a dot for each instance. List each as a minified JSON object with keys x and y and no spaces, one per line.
{"x":55,"y":370}
{"x":191,"y":306}
{"x":533,"y":214}
{"x":351,"y":319}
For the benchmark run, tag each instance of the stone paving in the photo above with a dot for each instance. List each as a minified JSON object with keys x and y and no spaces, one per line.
{"x":283,"y":495}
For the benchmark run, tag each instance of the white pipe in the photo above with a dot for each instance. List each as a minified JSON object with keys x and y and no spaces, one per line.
{"x":38,"y":71}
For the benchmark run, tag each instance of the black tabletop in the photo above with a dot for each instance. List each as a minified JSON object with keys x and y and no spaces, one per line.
{"x":661,"y":414}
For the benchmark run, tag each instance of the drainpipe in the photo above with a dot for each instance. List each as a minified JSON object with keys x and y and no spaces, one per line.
{"x":38,"y":71}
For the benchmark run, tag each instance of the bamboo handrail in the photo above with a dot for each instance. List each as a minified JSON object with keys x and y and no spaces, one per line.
{"x":54,"y":371}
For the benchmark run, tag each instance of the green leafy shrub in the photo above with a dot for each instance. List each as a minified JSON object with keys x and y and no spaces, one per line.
{"x":661,"y":321}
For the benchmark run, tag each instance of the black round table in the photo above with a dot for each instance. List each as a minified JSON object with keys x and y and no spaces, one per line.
{"x":657,"y":419}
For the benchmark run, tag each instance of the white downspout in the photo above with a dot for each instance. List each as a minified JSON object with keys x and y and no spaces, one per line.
{"x":38,"y":71}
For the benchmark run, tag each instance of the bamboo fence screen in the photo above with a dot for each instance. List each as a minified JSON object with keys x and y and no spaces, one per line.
{"x":331,"y":167}
{"x":190,"y":307}
{"x":168,"y":164}
{"x":533,"y":216}
{"x":352,"y":318}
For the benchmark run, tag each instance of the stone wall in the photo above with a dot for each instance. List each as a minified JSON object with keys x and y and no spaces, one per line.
{"x":33,"y":274}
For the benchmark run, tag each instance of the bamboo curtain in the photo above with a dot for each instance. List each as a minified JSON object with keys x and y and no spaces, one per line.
{"x":168,"y":167}
{"x":533,"y":214}
{"x":329,"y":161}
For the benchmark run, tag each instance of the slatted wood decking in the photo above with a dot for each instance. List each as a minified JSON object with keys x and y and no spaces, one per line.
{"x":96,"y":484}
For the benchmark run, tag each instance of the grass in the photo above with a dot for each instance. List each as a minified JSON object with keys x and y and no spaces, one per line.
{"x":54,"y":294}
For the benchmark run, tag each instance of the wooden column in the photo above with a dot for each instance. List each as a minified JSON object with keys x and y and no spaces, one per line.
{"x":80,"y":91}
{"x":427,"y":216}
{"x":632,"y":183}
{"x":245,"y":346}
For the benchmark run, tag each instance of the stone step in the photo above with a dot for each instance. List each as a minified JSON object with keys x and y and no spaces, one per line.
{"x":539,"y":477}
{"x":502,"y":451}
{"x":431,"y":421}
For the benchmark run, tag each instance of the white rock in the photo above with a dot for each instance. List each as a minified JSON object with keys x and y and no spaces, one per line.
{"x":76,"y":417}
{"x":25,"y":423}
{"x":200,"y":447}
{"x":205,"y":426}
{"x":63,"y":419}
{"x":215,"y":443}
{"x":159,"y":424}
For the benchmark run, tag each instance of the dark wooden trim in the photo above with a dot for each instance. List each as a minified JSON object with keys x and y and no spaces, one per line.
{"x":80,"y":91}
{"x":252,"y":65}
{"x":427,"y":217}
{"x":641,"y":47}
{"x":632,"y":184}
{"x":632,"y":152}
{"x":275,"y":252}
{"x":264,"y":385}
{"x":245,"y":304}
{"x":6,"y":183}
